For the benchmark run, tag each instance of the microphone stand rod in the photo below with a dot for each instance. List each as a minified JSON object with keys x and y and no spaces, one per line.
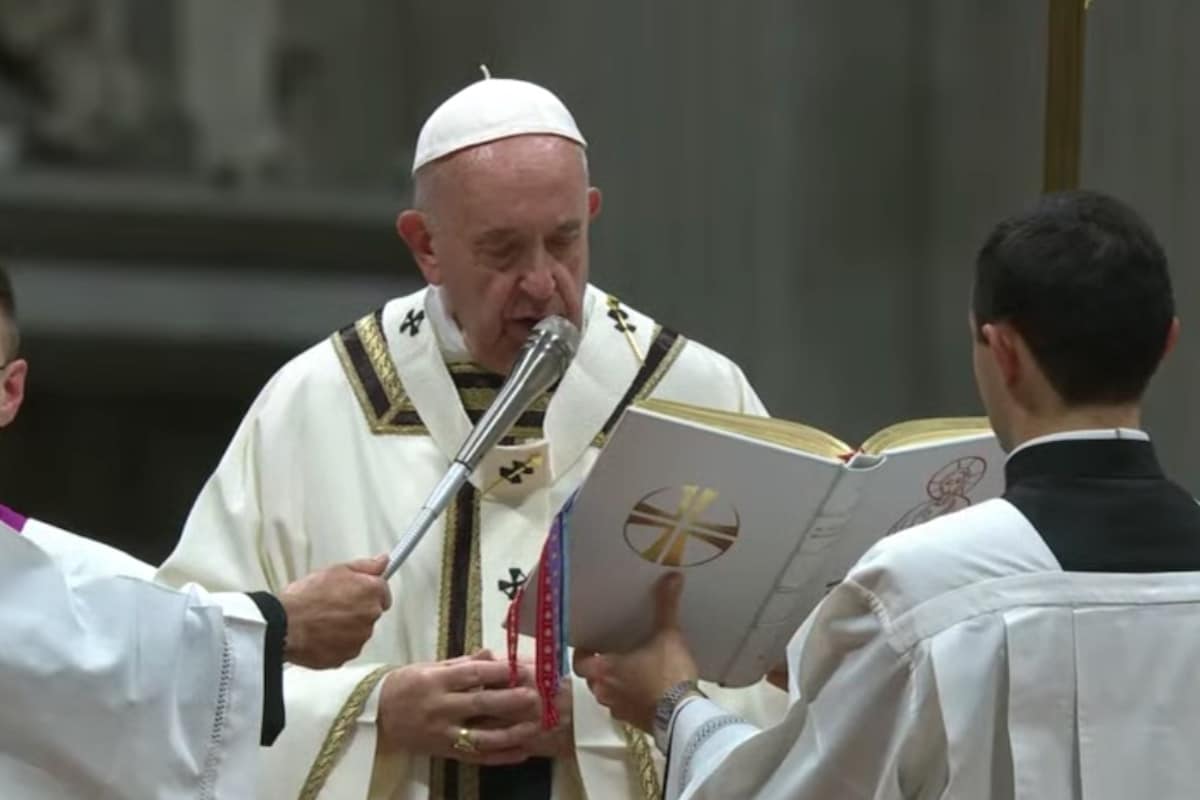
{"x":439,"y":498}
{"x":541,"y":362}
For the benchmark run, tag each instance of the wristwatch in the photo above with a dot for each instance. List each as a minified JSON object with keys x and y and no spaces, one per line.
{"x":664,"y":712}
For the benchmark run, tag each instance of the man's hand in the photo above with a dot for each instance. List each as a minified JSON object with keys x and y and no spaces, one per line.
{"x":331,"y":613}
{"x":423,"y":708}
{"x":630,"y":685}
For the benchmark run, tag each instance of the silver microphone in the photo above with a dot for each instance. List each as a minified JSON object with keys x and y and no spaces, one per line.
{"x":542,"y":361}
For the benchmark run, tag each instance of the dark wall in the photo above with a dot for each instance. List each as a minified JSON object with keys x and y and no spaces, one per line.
{"x":117,"y":437}
{"x":801,"y":184}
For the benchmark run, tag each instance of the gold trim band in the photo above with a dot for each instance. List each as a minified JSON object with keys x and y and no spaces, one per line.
{"x":338,"y":736}
{"x":643,"y":762}
{"x":467,"y":777}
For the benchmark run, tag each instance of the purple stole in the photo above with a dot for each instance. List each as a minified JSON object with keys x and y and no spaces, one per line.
{"x":12,"y":519}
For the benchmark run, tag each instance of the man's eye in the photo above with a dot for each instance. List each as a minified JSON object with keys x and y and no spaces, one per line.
{"x":500,"y":252}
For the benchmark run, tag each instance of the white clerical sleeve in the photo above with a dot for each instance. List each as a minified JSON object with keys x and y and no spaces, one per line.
{"x":116,"y":687}
{"x":852,"y":731}
{"x":228,"y":542}
{"x":706,"y":733}
{"x":80,"y":557}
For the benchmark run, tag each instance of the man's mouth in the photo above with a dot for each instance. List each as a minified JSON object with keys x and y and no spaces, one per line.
{"x":527,"y":323}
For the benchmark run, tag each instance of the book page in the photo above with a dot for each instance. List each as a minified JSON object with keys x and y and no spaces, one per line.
{"x":904,"y":435}
{"x":794,"y":435}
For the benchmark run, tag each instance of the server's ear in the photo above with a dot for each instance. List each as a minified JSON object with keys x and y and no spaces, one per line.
{"x":1172,"y":337}
{"x":1005,"y":348}
{"x":12,"y":390}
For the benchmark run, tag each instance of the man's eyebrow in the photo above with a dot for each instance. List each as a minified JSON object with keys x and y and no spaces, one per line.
{"x":493,"y":237}
{"x":571,"y":226}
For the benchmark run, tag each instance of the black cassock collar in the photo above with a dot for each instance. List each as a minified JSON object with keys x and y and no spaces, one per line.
{"x":1105,"y":505}
{"x":1086,"y":459}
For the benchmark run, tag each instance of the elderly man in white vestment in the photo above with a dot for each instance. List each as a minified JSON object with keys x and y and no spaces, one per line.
{"x":117,"y":687}
{"x":344,"y":444}
{"x":1043,"y":645}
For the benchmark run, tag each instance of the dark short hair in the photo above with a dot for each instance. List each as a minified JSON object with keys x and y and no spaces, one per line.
{"x":10,"y":338}
{"x":1083,"y":279}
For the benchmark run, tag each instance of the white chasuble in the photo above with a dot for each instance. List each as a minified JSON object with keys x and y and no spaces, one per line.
{"x":332,"y":463}
{"x":958,"y":660}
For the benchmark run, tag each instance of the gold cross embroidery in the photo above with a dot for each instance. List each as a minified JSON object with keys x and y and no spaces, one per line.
{"x":525,"y":467}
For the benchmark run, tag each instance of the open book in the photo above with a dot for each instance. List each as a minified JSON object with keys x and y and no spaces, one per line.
{"x":762,"y":516}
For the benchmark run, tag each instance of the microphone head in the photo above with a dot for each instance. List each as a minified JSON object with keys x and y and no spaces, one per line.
{"x":557,"y":332}
{"x":543,"y":360}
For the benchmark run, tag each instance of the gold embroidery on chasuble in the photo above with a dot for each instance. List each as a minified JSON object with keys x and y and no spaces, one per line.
{"x":665,"y":348}
{"x":363,"y":352}
{"x":339,"y":734}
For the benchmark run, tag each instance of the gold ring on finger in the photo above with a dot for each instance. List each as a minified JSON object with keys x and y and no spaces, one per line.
{"x":463,"y":742}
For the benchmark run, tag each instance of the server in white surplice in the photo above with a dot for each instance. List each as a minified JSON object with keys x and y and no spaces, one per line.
{"x":116,"y":687}
{"x":1043,"y":645}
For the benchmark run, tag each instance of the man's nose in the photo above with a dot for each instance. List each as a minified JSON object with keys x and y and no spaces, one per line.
{"x":538,"y":281}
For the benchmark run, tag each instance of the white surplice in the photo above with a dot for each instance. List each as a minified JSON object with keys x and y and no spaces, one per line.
{"x":327,"y":467}
{"x":115,"y":687}
{"x":80,"y":557}
{"x":958,"y":660}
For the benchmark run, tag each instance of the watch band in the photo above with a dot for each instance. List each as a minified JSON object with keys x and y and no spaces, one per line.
{"x":664,"y":712}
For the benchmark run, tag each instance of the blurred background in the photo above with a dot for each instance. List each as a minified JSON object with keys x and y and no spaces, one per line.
{"x":193,"y":191}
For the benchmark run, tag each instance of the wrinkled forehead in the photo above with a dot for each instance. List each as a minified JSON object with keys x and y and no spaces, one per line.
{"x":516,"y":158}
{"x":541,"y":171}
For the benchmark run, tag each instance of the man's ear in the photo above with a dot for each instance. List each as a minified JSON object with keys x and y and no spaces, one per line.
{"x":595,"y":201}
{"x":413,"y":228}
{"x":1004,"y":349}
{"x":12,"y":391}
{"x":1172,"y":337}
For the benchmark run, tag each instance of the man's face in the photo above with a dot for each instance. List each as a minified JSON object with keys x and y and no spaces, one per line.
{"x":952,"y":484}
{"x":506,"y":237}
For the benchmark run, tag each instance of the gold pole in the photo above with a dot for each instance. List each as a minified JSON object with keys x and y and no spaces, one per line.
{"x":1065,"y":37}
